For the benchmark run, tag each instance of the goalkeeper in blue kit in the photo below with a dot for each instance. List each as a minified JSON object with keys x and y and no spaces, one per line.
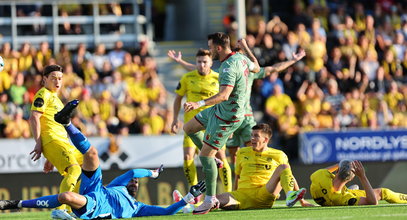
{"x":116,"y":200}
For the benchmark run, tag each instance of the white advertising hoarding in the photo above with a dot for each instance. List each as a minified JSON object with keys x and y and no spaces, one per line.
{"x":133,"y":152}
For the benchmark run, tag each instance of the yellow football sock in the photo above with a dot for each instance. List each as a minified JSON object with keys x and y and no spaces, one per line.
{"x":190,"y":172}
{"x":225,"y":175}
{"x":69,"y":182}
{"x":393,"y":197}
{"x":287,"y":180}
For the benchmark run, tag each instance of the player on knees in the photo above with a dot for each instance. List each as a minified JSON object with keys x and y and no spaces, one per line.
{"x":329,"y":189}
{"x":254,"y":166}
{"x":116,"y":200}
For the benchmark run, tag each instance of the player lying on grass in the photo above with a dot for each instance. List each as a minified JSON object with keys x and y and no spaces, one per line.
{"x":329,"y":189}
{"x":259,"y":172}
{"x":116,"y":200}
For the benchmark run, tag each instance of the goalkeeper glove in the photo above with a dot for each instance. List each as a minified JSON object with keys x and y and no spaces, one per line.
{"x":195,"y":191}
{"x":155,"y":173}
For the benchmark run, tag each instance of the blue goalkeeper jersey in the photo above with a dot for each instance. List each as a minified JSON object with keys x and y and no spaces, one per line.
{"x":114,"y":201}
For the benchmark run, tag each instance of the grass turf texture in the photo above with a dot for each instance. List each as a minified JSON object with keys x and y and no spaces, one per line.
{"x":381,"y":211}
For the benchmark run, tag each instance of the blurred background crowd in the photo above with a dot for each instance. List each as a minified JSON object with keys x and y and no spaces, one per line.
{"x":354,"y":74}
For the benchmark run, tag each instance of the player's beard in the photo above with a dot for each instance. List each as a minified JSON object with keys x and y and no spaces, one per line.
{"x":215,"y":55}
{"x":132,"y":191}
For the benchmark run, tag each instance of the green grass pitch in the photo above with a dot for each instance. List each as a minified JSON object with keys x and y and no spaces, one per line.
{"x":381,"y":211}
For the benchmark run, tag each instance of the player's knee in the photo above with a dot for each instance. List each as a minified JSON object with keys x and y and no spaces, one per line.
{"x":188,"y":157}
{"x":66,"y":197}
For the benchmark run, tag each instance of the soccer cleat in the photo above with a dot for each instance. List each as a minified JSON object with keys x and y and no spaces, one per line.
{"x":176,"y":196}
{"x":9,"y":204}
{"x":206,"y":207}
{"x":294,"y":196}
{"x":61,"y":214}
{"x":64,"y":116}
{"x":219,"y":163}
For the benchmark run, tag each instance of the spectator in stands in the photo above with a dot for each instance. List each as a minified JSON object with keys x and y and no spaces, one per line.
{"x":276,"y":104}
{"x":88,"y":106}
{"x":63,"y":57}
{"x":367,"y":117}
{"x":79,"y":60}
{"x":25,"y":59}
{"x":289,"y":127}
{"x":17,"y":90}
{"x":345,"y":119}
{"x":99,"y":58}
{"x":384,"y":115}
{"x":18,"y":127}
{"x":116,"y":56}
{"x":393,"y":96}
{"x":128,"y":67}
{"x":325,"y":117}
{"x":117,"y":88}
{"x":153,"y":123}
{"x":42,"y":56}
{"x":126,"y":112}
{"x":291,"y":46}
{"x":334,"y":97}
{"x":269,"y":84}
{"x":310,"y":96}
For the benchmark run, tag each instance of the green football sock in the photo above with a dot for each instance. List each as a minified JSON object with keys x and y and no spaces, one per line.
{"x":211,"y":173}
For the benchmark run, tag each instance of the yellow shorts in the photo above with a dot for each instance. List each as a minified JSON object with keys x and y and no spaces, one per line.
{"x":257,"y":198}
{"x":188,"y":142}
{"x":62,"y":155}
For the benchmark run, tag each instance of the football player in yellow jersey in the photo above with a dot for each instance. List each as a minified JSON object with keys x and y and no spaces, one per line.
{"x":199,"y":84}
{"x":50,"y":137}
{"x":328,"y":189}
{"x":259,"y":170}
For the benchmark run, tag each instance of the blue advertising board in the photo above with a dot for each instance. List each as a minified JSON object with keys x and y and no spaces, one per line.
{"x":329,"y":146}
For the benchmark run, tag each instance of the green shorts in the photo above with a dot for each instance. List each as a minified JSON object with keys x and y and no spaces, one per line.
{"x":243,"y":134}
{"x":217,"y":130}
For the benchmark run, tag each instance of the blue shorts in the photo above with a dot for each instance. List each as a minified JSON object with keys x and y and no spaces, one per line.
{"x":88,"y":185}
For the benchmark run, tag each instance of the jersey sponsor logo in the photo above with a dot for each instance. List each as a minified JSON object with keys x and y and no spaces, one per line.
{"x":38,"y":102}
{"x":320,"y":200}
{"x":42,"y":203}
{"x":352,"y":201}
{"x":226,"y":70}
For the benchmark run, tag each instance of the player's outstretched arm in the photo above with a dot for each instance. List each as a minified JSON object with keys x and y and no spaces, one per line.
{"x":278,"y":67}
{"x":178,"y":58}
{"x":223,"y":95}
{"x":124,"y":179}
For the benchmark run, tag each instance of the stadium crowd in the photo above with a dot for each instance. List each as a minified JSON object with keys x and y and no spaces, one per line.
{"x":120,"y":92}
{"x":354,"y":74}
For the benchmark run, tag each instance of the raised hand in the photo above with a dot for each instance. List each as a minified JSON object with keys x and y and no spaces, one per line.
{"x":358,"y":168}
{"x":198,"y":189}
{"x":173,"y":55}
{"x":299,"y":55}
{"x":156,"y":172}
